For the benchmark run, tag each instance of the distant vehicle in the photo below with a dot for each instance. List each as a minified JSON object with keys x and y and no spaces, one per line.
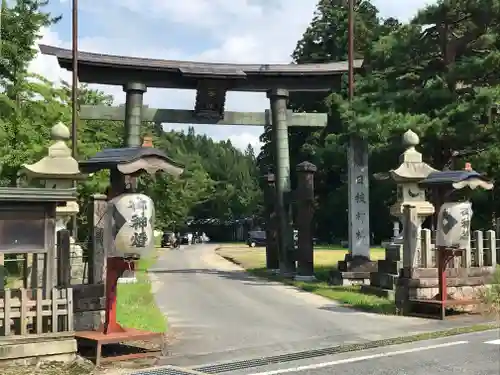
{"x":256,"y":238}
{"x":196,"y":238}
{"x":186,"y":238}
{"x":166,"y":239}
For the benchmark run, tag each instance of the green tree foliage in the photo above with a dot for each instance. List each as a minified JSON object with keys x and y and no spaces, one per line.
{"x":219,"y":181}
{"x":27,"y":102}
{"x":437,"y":75}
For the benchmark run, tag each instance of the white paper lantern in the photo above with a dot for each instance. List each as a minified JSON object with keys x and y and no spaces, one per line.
{"x":129,"y":232}
{"x":453,"y":227}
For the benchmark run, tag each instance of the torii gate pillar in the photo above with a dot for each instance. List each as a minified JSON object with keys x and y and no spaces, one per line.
{"x":134,"y":97}
{"x":279,"y":101}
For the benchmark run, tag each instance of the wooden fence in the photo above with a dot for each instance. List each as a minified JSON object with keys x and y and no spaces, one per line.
{"x":482,"y":252}
{"x":28,"y":311}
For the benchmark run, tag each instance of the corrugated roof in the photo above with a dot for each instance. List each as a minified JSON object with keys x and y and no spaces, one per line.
{"x":450,"y":177}
{"x":113,"y":156}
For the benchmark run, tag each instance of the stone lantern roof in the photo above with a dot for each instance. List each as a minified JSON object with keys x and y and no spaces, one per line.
{"x":59,"y":164}
{"x":412,"y":167}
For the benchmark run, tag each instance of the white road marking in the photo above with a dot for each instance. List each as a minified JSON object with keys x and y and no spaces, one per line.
{"x":358,"y":359}
{"x":493,"y":342}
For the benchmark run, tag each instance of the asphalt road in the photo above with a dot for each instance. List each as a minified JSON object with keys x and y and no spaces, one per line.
{"x":217,"y":312}
{"x":471,"y":354}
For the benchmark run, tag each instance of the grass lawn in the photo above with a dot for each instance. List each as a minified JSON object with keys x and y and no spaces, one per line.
{"x":136,"y":304}
{"x":254,"y":261}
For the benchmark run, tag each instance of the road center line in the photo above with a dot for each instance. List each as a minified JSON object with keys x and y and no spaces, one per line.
{"x":358,"y":359}
{"x":493,"y":342}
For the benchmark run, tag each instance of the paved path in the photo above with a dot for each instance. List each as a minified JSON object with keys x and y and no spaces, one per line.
{"x":217,"y":312}
{"x":471,"y":354}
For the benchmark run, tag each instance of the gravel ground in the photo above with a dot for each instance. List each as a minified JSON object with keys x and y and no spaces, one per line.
{"x":78,"y":367}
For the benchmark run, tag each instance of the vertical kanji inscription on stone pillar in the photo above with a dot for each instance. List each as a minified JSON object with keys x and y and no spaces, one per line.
{"x":305,"y":198}
{"x":359,"y":208}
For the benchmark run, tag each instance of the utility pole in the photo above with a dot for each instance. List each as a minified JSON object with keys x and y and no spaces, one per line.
{"x":350,"y":49}
{"x":74,"y":99}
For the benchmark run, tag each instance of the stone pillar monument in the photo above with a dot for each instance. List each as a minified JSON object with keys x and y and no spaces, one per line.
{"x":279,"y":99}
{"x":305,"y":198}
{"x":359,"y":207}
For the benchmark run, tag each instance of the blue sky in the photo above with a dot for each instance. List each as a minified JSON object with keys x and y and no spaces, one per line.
{"x":246,"y":31}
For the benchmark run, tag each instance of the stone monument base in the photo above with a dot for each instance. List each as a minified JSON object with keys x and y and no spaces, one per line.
{"x":464,"y":284}
{"x":353,"y":270}
{"x":383,"y":281}
{"x":304,"y":278}
{"x":32,"y":349}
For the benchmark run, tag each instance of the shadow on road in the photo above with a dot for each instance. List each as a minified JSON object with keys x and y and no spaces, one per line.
{"x":232,"y":275}
{"x":247,"y":279}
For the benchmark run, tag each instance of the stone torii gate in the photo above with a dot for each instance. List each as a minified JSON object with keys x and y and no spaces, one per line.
{"x":211,"y":82}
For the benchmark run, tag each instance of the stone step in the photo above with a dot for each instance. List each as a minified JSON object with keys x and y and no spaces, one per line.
{"x":394,"y":252}
{"x":349,"y":278}
{"x":450,"y":282}
{"x":424,"y":273}
{"x":379,"y":292}
{"x":383,"y":280}
{"x":389,"y":266}
{"x":355,"y":266}
{"x":388,"y":281}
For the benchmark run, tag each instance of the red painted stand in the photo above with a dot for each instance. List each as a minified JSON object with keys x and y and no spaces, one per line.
{"x":444,"y":256}
{"x":111,"y":332}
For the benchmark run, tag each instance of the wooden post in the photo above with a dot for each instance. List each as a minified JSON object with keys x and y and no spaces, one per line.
{"x":305,"y":197}
{"x":427,"y":260}
{"x":63,"y":259}
{"x":479,"y":249}
{"x":492,"y":246}
{"x":272,"y":248}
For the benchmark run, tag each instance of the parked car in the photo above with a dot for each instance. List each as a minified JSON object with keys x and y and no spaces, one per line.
{"x":186,"y":238}
{"x":166,"y":239}
{"x":256,"y":238}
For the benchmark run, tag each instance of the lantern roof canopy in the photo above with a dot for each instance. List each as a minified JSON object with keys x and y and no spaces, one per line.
{"x":59,"y":164}
{"x":132,"y":160}
{"x":457,"y":179}
{"x":412,"y":167}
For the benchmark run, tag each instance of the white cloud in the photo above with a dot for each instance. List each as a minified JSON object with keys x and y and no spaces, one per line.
{"x":236,"y":31}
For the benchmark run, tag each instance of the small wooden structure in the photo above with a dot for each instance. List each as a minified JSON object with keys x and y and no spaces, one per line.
{"x":43,"y":307}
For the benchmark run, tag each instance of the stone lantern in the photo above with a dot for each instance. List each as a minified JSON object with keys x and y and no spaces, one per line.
{"x":407,"y":176}
{"x":57,"y":170}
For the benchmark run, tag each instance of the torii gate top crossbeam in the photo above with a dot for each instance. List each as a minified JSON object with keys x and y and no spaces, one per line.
{"x":118,"y":70}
